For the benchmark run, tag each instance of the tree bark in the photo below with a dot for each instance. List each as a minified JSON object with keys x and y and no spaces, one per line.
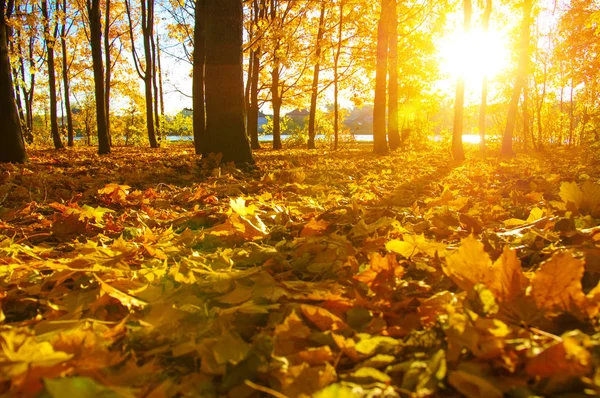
{"x":147,"y":32}
{"x":199,"y":120}
{"x":96,"y":44}
{"x":315,"y":83}
{"x":50,"y":40}
{"x":393,"y":130}
{"x":336,"y":62}
{"x":458,"y":152}
{"x":65,"y":76}
{"x":380,"y":144}
{"x":276,"y":103}
{"x":225,"y":119}
{"x":108,"y":68}
{"x":12,"y":147}
{"x":484,"y":85}
{"x":511,"y":118}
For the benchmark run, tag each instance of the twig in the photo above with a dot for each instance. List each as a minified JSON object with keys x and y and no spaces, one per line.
{"x":266,"y":390}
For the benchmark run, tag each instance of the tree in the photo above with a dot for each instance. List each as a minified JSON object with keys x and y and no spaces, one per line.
{"x":12,"y":147}
{"x":145,"y":70}
{"x":65,"y":72}
{"x":315,"y":83}
{"x":93,"y":7}
{"x":458,"y":152}
{"x":199,"y":120}
{"x":484,"y":84}
{"x":380,"y":144}
{"x":224,"y":85}
{"x":520,"y":80}
{"x":50,"y":38}
{"x":393,"y":129}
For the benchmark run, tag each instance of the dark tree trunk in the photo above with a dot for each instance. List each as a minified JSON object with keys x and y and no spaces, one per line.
{"x":225,"y":119}
{"x":380,"y":144}
{"x":96,"y":44}
{"x":161,"y":96}
{"x":108,"y":66}
{"x":458,"y":152}
{"x":484,"y":85}
{"x":276,"y":103}
{"x":315,"y":83}
{"x":393,"y":130}
{"x":511,"y":118}
{"x":50,"y":39}
{"x":12,"y":147}
{"x":147,"y":32}
{"x":155,"y":87}
{"x":65,"y":76}
{"x":199,"y":120}
{"x":253,"y":108}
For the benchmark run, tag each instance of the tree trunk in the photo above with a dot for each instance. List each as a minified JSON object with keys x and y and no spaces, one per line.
{"x":511,"y":118}
{"x":161,"y":96}
{"x":276,"y":103}
{"x":336,"y":61}
{"x":253,"y":109}
{"x":315,"y":83}
{"x":50,"y":39}
{"x":458,"y":152}
{"x":380,"y":144}
{"x":393,"y":130}
{"x":225,"y":124}
{"x":198,"y":78}
{"x":96,"y":44}
{"x":147,"y":32}
{"x":156,"y":95}
{"x":12,"y":147}
{"x":527,"y":132}
{"x":484,"y":84}
{"x":65,"y":76}
{"x":108,"y":66}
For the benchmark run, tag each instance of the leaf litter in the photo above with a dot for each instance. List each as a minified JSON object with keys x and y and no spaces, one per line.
{"x":155,"y":274}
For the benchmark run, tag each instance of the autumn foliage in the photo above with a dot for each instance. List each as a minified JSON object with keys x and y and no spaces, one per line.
{"x":339,"y":274}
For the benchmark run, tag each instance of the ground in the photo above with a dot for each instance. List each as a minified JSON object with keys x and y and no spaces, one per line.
{"x":153,"y":273}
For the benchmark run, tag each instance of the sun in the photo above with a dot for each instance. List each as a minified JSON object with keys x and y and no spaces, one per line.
{"x":474,"y":55}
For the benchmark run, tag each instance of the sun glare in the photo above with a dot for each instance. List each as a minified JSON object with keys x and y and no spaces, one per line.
{"x":474,"y":55}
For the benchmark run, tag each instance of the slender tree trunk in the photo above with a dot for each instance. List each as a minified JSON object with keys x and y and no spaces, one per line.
{"x":108,"y":68}
{"x":571,"y":111}
{"x":484,"y":84}
{"x":147,"y":32}
{"x":527,"y":131}
{"x":225,"y":119}
{"x":50,"y":39}
{"x":276,"y":104}
{"x":253,"y":110}
{"x":511,"y":118}
{"x":12,"y":147}
{"x":160,"y":79}
{"x":458,"y":152}
{"x":393,"y":130}
{"x":380,"y":144}
{"x":198,"y":77}
{"x":312,"y":116}
{"x":65,"y":76}
{"x":336,"y":77}
{"x":156,"y":94}
{"x":96,"y":44}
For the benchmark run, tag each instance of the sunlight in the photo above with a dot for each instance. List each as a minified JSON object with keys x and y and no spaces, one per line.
{"x":471,"y":138}
{"x":474,"y":55}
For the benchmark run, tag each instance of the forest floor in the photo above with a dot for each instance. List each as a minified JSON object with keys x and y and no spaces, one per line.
{"x":150,"y":273}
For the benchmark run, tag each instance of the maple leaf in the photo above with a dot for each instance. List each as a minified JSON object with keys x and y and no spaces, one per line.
{"x":471,"y":264}
{"x":557,"y":284}
{"x":567,"y":357}
{"x":414,"y":244}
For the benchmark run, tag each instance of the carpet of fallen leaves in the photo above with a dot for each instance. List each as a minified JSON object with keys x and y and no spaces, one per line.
{"x":151,"y":273}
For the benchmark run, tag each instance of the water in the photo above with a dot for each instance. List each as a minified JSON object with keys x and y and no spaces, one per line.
{"x":269,"y":137}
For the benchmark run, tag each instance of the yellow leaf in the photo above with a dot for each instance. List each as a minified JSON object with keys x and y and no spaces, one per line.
{"x":557,"y":285}
{"x":510,"y":281}
{"x":473,"y":386}
{"x":570,"y":192}
{"x":469,"y":265}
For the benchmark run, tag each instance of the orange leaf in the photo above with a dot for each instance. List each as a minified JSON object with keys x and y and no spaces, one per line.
{"x":566,"y":358}
{"x":314,"y":228}
{"x":322,"y":318}
{"x":557,"y":285}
